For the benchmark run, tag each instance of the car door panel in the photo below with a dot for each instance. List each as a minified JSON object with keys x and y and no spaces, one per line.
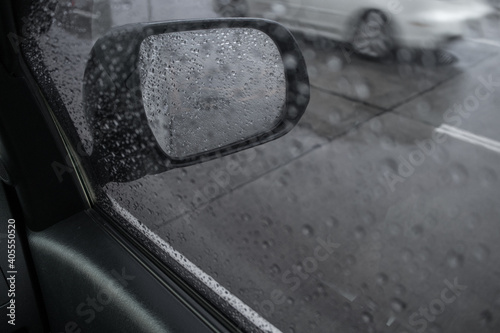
{"x":90,"y":282}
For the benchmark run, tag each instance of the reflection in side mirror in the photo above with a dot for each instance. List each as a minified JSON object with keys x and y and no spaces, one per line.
{"x":206,"y":89}
{"x":164,"y":95}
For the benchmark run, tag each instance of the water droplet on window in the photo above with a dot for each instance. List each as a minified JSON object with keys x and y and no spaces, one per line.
{"x":307,"y":230}
{"x":454,"y":259}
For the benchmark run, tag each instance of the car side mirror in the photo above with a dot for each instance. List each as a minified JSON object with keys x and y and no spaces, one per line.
{"x":165,"y":95}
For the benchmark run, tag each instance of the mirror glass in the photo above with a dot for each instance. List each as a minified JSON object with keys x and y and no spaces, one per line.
{"x":207,"y":89}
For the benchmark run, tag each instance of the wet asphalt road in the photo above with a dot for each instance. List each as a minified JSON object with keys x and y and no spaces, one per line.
{"x":396,"y":163}
{"x":410,"y":198}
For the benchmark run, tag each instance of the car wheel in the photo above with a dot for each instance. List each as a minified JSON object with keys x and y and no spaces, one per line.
{"x":231,"y":8}
{"x":373,"y":35}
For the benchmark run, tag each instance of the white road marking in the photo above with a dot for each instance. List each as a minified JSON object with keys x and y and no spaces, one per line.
{"x":469,"y":137}
{"x":484,"y":41}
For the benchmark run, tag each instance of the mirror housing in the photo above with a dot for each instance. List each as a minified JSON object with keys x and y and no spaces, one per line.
{"x":124,"y":145}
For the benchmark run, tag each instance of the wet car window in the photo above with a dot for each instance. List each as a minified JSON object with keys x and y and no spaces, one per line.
{"x":379,"y":212}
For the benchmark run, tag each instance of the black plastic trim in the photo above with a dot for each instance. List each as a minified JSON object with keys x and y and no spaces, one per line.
{"x":78,"y":262}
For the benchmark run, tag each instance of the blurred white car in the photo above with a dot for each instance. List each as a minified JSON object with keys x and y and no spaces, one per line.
{"x":373,"y":27}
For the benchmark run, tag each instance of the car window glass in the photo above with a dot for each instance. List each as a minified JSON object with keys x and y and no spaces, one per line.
{"x":377,"y":213}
